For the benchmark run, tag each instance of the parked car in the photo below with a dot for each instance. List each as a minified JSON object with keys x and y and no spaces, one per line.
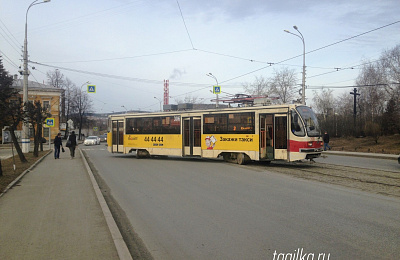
{"x":91,"y":140}
{"x":103,"y":138}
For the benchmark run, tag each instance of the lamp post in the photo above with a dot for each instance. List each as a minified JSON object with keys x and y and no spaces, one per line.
{"x":25,"y":126}
{"x":303,"y":94}
{"x":212,"y":76}
{"x":160,"y":103}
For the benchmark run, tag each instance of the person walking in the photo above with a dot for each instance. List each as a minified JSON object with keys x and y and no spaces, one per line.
{"x":325,"y":137}
{"x":57,"y":146}
{"x":72,"y":144}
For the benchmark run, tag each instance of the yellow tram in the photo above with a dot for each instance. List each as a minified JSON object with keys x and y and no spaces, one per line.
{"x":265,"y":133}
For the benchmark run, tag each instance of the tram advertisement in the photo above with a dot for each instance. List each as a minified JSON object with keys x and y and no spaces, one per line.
{"x":248,"y":142}
{"x":154,"y":141}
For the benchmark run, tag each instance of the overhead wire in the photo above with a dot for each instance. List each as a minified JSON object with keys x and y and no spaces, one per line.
{"x":183,"y":19}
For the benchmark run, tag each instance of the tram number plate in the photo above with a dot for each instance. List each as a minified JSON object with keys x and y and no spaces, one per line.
{"x":154,"y":139}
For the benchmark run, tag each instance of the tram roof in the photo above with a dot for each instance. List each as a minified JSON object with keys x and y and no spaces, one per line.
{"x":205,"y":111}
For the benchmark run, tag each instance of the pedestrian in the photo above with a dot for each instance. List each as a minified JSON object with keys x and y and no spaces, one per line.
{"x":72,"y":144}
{"x":57,"y":146}
{"x":325,"y":137}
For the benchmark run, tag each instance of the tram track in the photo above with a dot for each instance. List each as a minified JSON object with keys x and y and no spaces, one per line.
{"x":371,"y":180}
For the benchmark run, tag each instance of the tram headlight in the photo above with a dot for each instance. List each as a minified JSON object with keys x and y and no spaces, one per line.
{"x":310,"y":144}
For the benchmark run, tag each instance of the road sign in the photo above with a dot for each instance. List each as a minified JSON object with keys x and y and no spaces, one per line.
{"x":91,"y":88}
{"x":95,"y":129}
{"x":216,"y":89}
{"x":49,"y":122}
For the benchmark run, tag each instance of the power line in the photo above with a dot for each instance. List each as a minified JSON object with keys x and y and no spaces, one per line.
{"x":8,"y":59}
{"x":13,"y":39}
{"x":121,"y":58}
{"x":354,"y":86}
{"x":183,"y":19}
{"x":326,"y":46}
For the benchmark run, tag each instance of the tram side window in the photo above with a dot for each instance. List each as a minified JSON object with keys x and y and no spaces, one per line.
{"x":215,"y":124}
{"x":171,"y":125}
{"x":131,"y":126}
{"x":296,"y":124}
{"x":233,"y":123}
{"x":241,"y":123}
{"x":153,"y":125}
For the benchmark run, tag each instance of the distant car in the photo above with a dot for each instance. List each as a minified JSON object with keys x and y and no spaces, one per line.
{"x":103,"y":138}
{"x":91,"y":140}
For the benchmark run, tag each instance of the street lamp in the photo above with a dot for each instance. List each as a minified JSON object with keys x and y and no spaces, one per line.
{"x":160,"y":102}
{"x":212,"y":76}
{"x":126,"y":110}
{"x":25,"y":127}
{"x":303,"y":94}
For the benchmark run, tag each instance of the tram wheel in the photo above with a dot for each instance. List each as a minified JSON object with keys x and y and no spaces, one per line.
{"x":142,"y":154}
{"x":242,"y":159}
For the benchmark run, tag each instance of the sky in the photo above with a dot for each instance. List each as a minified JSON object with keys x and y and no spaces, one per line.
{"x":127,"y":48}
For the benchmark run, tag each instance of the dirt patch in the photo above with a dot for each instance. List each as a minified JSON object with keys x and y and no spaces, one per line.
{"x":385,"y":145}
{"x":9,"y":175}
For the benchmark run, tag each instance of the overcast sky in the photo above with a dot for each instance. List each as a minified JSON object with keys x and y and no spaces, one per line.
{"x":128,"y":48}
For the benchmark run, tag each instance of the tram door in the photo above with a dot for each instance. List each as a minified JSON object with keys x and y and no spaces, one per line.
{"x":281,"y":140}
{"x":117,"y":136}
{"x":273,"y":136}
{"x":191,"y":136}
{"x":267,"y":136}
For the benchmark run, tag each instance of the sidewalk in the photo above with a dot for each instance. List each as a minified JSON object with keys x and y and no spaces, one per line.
{"x":54,"y":213}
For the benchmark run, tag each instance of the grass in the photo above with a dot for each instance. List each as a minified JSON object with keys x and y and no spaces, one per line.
{"x":9,"y":175}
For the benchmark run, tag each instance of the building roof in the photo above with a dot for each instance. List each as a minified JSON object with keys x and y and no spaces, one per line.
{"x":35,"y":86}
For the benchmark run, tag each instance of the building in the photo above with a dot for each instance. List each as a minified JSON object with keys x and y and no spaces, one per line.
{"x":49,"y":98}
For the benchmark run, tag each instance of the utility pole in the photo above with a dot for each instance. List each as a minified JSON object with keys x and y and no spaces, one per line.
{"x":355,"y":107}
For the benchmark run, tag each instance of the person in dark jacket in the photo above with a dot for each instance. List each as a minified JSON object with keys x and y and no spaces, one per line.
{"x":325,"y":137}
{"x":57,"y":146}
{"x":72,"y":137}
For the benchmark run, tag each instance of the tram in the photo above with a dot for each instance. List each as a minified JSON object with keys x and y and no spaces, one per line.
{"x":266,"y":133}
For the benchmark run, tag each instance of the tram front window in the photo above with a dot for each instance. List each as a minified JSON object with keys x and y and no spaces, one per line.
{"x":296,"y":124}
{"x":310,"y":121}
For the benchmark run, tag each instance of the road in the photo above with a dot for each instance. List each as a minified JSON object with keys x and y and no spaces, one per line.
{"x":202,"y":209}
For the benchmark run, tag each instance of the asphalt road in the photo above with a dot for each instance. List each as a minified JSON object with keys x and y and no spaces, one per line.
{"x":201,"y":209}
{"x":360,"y":162}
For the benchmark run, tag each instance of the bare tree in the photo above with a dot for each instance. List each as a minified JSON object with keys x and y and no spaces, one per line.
{"x":81,"y":104}
{"x":37,"y":116}
{"x":258,"y":88}
{"x":69,"y":88}
{"x":283,"y":84}
{"x":56,"y":79}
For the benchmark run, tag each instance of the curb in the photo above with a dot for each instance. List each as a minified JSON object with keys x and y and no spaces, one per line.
{"x":23,"y":174}
{"x":119,"y":242}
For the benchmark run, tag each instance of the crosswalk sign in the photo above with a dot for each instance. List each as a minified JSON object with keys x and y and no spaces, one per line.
{"x":91,"y":88}
{"x":49,"y":122}
{"x":216,"y":89}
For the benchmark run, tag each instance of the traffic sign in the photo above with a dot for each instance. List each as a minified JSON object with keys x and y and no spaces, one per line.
{"x":216,"y":89}
{"x":49,"y":122}
{"x":91,"y":88}
{"x":95,"y":129}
